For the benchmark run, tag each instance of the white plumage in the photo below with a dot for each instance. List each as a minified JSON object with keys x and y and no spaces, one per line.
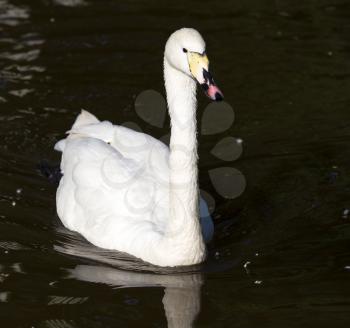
{"x":126,"y":190}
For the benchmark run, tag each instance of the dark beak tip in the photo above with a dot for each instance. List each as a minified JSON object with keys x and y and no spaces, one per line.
{"x":219,"y":97}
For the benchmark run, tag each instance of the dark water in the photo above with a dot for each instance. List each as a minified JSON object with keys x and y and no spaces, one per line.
{"x":281,"y":255}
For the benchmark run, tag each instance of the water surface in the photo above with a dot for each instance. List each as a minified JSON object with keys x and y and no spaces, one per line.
{"x":281,"y":255}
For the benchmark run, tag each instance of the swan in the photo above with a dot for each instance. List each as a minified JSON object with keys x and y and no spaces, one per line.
{"x":127,"y":191}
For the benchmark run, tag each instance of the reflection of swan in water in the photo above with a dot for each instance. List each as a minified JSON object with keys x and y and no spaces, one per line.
{"x":182,"y":287}
{"x":181,"y":296}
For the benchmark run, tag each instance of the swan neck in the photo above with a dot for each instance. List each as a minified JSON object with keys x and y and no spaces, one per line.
{"x":184,"y":212}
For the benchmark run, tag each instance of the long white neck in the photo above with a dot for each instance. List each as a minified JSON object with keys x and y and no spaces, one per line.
{"x":183,"y":230}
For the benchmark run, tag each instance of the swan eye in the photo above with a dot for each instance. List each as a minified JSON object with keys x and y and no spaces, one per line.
{"x":184,"y":50}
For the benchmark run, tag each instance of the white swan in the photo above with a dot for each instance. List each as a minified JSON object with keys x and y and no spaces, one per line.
{"x":126,"y":190}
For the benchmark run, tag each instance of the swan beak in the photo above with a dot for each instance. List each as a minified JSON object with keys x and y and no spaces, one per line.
{"x":199,"y":67}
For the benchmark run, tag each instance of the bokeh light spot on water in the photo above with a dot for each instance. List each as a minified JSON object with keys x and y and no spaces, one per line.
{"x":228,"y":149}
{"x":217,"y":117}
{"x":151,"y":106}
{"x":228,"y":181}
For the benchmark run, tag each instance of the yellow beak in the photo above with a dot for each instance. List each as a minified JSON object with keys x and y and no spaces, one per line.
{"x":199,"y":68}
{"x":197,"y":63}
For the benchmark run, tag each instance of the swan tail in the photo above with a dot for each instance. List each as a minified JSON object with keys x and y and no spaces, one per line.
{"x":84,"y":118}
{"x":102,"y":130}
{"x":60,"y":145}
{"x":86,"y":125}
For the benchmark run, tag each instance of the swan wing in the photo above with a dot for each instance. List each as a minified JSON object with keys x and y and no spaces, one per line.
{"x":115,"y":177}
{"x":128,"y":142}
{"x":106,"y":197}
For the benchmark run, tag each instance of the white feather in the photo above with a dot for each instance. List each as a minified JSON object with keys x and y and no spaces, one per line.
{"x":126,"y":190}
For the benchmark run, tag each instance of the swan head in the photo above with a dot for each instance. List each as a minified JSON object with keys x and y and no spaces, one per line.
{"x":185,"y":51}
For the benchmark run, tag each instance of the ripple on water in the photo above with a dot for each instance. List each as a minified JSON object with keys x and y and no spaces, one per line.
{"x":18,"y":61}
{"x":59,"y":323}
{"x":12,"y":15}
{"x":12,"y":246}
{"x":4,"y":296}
{"x":71,"y":3}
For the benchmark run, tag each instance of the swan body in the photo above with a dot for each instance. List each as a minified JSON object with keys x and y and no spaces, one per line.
{"x":128,"y":191}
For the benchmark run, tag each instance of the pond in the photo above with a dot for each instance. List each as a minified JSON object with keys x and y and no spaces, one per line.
{"x":281,"y":252}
